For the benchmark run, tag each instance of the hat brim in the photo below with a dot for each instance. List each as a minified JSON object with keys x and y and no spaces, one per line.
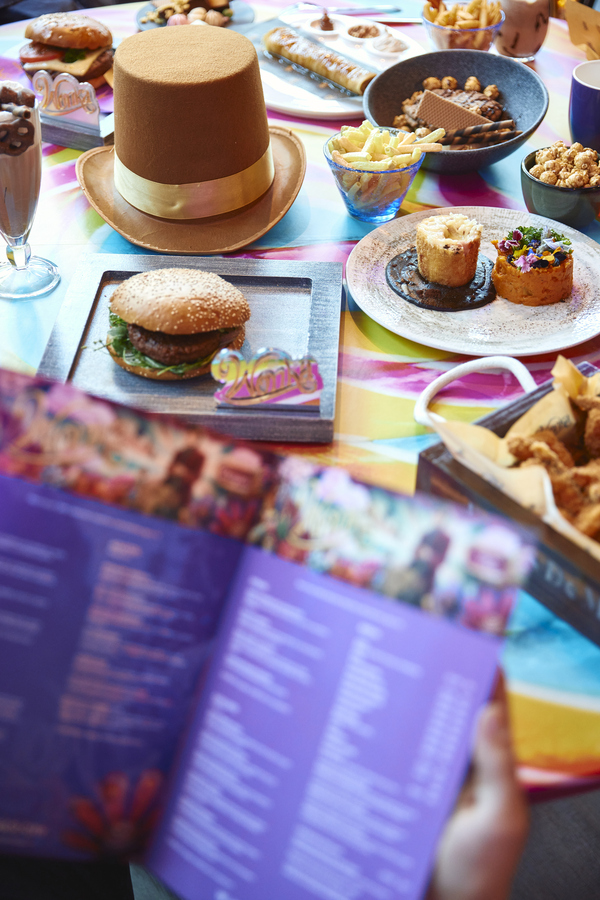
{"x":217,"y":234}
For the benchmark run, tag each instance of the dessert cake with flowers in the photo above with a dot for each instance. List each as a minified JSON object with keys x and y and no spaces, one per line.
{"x":534,"y":266}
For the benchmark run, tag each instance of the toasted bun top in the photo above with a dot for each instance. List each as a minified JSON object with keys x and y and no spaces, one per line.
{"x":69,"y":30}
{"x":180,"y":301}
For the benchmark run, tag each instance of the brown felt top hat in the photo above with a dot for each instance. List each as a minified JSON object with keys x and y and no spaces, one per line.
{"x":195,"y":167}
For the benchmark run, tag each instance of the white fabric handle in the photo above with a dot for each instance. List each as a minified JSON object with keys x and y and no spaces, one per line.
{"x":421,"y":412}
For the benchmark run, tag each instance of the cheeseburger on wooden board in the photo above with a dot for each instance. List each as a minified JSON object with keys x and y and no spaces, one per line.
{"x":169,"y":324}
{"x":68,"y":42}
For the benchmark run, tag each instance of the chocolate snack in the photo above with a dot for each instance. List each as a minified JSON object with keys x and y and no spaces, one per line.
{"x":15,"y":94}
{"x":474,"y":101}
{"x":16,"y":131}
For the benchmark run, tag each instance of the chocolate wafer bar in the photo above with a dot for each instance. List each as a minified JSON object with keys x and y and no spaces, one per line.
{"x":441,"y":113}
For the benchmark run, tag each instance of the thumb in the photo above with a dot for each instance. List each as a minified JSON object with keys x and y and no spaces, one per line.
{"x":495,"y":786}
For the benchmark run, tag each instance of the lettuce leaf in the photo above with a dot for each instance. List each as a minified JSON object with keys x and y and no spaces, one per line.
{"x":122,"y":346}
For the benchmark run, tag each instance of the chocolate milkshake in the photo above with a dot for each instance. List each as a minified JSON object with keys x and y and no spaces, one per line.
{"x":20,"y":160}
{"x":524,"y":28}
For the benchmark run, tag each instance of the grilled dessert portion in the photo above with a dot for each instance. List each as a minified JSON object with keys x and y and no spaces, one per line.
{"x":447,"y":249}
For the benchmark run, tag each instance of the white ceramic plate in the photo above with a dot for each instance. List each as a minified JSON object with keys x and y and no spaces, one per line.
{"x":499,"y":328}
{"x":287,"y":90}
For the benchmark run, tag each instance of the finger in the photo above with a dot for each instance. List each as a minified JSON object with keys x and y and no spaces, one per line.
{"x":495,"y":787}
{"x":499,"y":692}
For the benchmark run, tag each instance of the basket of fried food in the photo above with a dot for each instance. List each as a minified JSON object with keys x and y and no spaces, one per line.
{"x":549,"y":459}
{"x":463,"y":26}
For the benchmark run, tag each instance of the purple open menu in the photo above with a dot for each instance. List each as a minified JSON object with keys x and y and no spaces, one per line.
{"x":328,"y":747}
{"x":256,"y":675}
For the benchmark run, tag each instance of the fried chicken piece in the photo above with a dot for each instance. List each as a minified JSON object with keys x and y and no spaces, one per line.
{"x":586,"y":475}
{"x":588,"y":520}
{"x":568,"y":495}
{"x":546,"y":449}
{"x":524,"y":448}
{"x":591,"y":435}
{"x":587,"y":402}
{"x":555,"y":444}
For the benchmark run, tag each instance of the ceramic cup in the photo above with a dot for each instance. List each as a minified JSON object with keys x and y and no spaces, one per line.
{"x":584,"y":105}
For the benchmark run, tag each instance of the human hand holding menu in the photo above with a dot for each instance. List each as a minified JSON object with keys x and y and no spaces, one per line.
{"x":249,"y":723}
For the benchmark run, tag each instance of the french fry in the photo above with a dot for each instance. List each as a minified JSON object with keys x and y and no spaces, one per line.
{"x":432,"y":137}
{"x":428,"y":148}
{"x":472,"y":16}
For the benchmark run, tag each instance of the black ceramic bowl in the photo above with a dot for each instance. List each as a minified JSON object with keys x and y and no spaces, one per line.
{"x":522,"y":92}
{"x":571,"y":206}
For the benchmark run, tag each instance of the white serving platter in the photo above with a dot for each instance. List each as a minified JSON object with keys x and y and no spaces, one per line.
{"x":290,"y":89}
{"x":502,"y":327}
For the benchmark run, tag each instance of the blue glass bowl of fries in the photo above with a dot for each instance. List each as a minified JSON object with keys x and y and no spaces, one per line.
{"x":374,"y":168}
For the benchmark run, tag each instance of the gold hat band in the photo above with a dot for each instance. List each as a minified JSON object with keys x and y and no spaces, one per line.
{"x":196,"y":200}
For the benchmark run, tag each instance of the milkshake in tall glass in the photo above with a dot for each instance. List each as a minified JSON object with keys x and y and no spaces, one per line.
{"x":524,"y":28}
{"x":23,"y":276}
{"x":20,"y":160}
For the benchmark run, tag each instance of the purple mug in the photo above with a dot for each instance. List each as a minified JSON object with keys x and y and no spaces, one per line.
{"x":584,"y":105}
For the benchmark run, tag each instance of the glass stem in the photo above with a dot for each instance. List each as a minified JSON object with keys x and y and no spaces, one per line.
{"x":19,"y":255}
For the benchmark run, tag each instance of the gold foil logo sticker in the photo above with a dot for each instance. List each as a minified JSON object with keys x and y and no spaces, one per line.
{"x":270,"y":377}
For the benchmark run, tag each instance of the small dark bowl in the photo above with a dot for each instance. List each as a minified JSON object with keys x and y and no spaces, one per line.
{"x":576,"y":207}
{"x":524,"y":97}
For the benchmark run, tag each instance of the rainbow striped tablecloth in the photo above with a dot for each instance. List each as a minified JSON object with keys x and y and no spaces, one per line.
{"x":554,"y":674}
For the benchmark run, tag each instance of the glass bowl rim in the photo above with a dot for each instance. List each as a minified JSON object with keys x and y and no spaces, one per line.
{"x":497,"y":25}
{"x":328,"y":157}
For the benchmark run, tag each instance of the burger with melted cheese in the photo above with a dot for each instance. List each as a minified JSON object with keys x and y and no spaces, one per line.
{"x":68,"y":42}
{"x":169,"y":324}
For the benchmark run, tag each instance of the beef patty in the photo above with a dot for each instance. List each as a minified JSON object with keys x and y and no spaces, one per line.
{"x":100,"y":65}
{"x":175,"y":349}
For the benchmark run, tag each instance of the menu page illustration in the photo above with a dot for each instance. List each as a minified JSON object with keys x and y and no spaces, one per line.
{"x":328,"y":747}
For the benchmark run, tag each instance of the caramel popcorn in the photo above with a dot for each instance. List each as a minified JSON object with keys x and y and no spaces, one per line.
{"x":449,"y":83}
{"x":491,"y":91}
{"x":473,"y":84}
{"x":569,"y":167}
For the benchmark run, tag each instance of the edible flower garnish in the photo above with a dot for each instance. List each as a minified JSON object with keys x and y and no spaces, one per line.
{"x":529,"y":248}
{"x":525,"y":262}
{"x":510,"y":243}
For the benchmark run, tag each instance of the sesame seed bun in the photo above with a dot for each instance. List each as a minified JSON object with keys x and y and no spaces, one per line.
{"x":157,"y":375}
{"x":70,"y":30}
{"x":180,"y":301}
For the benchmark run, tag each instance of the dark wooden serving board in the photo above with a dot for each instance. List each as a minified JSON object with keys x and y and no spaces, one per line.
{"x":295,"y":306}
{"x":565,"y":578}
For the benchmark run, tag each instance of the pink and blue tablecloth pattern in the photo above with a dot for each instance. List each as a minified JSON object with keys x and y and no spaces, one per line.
{"x":554,"y":674}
